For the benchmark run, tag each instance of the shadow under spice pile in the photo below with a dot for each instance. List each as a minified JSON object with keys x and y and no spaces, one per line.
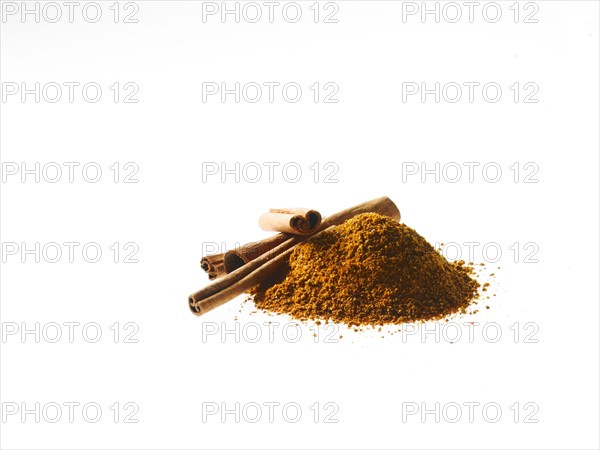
{"x":371,"y":270}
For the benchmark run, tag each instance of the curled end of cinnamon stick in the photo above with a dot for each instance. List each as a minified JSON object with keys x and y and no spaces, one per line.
{"x":213,"y":266}
{"x":194,"y":306}
{"x":314,"y":219}
{"x":299,"y":224}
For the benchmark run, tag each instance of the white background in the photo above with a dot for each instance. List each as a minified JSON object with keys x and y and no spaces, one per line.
{"x":370,"y":134}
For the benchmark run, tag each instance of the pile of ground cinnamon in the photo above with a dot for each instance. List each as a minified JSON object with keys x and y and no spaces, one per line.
{"x":371,"y":270}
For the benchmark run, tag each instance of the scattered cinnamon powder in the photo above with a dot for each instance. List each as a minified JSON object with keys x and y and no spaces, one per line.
{"x":371,"y":270}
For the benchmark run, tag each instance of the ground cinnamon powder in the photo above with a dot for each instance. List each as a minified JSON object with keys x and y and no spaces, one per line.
{"x":371,"y":270}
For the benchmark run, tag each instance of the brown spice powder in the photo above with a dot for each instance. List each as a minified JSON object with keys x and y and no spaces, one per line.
{"x":371,"y":270}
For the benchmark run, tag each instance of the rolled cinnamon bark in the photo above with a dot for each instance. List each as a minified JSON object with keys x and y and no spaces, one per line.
{"x":292,"y":221}
{"x":214,"y":265}
{"x":270,"y":263}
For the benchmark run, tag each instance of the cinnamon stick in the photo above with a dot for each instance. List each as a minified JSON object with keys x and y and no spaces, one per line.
{"x":292,"y":220}
{"x":268,"y":264}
